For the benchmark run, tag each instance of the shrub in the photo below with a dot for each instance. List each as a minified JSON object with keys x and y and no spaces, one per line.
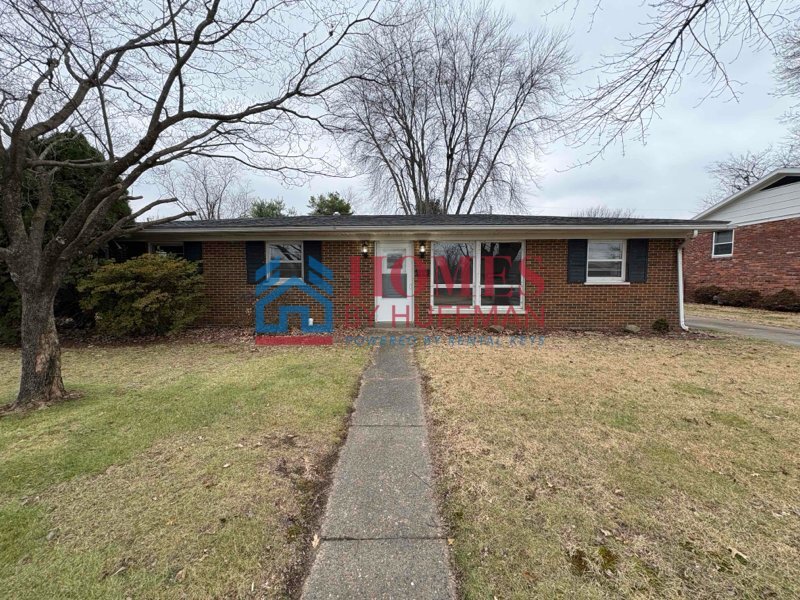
{"x":706,"y":294}
{"x":67,"y":309}
{"x":151,"y":294}
{"x":660,"y":325}
{"x":746,"y":298}
{"x":785,"y":300}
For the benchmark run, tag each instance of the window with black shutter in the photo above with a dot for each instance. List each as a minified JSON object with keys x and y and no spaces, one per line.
{"x":636,"y":268}
{"x":193,"y":252}
{"x":311,"y":249}
{"x":255,"y":257}
{"x":576,"y":261}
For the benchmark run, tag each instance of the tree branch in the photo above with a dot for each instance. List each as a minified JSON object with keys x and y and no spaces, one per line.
{"x":120,"y":229}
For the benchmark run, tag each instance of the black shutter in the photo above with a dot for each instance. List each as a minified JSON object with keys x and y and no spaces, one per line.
{"x":636,"y":263}
{"x":193,"y":252}
{"x":122,"y":250}
{"x":256,"y":257}
{"x":576,"y":261}
{"x":313,"y":248}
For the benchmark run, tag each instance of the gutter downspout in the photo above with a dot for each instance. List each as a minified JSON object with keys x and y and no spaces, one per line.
{"x":681,"y":312}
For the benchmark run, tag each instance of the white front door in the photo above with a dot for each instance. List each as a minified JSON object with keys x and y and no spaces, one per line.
{"x":394,"y":299}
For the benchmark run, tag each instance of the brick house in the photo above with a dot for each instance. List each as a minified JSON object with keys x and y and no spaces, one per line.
{"x":760,"y":249}
{"x":520,"y":272}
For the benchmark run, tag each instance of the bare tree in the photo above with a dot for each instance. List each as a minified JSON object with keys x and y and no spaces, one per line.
{"x":679,"y":38}
{"x":149,"y":82}
{"x":456,"y":109}
{"x":788,"y":73}
{"x":211,"y":188}
{"x":740,"y":171}
{"x":601,"y":211}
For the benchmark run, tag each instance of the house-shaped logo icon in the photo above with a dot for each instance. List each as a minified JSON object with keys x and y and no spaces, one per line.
{"x":316,"y":287}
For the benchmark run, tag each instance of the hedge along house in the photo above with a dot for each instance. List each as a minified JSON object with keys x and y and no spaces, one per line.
{"x":760,"y":249}
{"x":521,"y":272}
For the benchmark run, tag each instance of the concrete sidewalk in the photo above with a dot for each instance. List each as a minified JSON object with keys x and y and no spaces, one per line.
{"x":779,"y":335}
{"x":381,"y":534}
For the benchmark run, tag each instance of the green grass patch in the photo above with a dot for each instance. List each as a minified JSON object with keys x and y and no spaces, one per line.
{"x":730,"y":419}
{"x":687,"y":387}
{"x":183,"y":470}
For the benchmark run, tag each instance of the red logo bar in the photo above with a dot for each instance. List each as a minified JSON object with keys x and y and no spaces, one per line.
{"x":294,"y":340}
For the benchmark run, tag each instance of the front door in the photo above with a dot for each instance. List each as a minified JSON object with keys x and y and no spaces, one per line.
{"x":394,"y":300}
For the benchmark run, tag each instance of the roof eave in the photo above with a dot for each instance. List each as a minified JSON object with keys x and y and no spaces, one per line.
{"x":352,"y":232}
{"x":765,"y":181}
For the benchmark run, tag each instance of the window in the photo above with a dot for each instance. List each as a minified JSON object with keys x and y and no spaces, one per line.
{"x":167,"y":249}
{"x":501,"y":273}
{"x":290,"y":255}
{"x":452,"y":273}
{"x":394,"y":275}
{"x":723,"y":243}
{"x":482,"y":274}
{"x":605,"y":261}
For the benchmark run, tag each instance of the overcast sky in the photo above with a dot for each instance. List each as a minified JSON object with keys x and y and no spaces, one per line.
{"x":667,"y":176}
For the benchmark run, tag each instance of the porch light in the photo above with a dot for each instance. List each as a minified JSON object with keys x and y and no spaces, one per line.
{"x":364,"y":249}
{"x":422,"y":250}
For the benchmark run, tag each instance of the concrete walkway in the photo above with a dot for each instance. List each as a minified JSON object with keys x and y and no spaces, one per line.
{"x":779,"y":335}
{"x":381,"y":534}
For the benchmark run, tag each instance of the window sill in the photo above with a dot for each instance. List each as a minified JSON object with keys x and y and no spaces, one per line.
{"x":606,"y":283}
{"x":722,"y":256}
{"x":472,"y":310}
{"x":283,"y":280}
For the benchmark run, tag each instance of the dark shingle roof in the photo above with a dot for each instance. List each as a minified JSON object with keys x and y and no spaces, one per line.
{"x":378,"y":221}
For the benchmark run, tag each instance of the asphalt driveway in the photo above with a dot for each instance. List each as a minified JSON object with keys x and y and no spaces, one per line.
{"x":779,"y":335}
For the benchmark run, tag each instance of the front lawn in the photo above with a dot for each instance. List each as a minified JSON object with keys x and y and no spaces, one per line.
{"x":184,"y":471}
{"x":750,"y":315}
{"x":603,"y":467}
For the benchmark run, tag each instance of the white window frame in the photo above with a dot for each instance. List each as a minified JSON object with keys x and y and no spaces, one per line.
{"x":714,"y":243}
{"x":623,"y":260}
{"x":302,"y":260}
{"x":477,"y":286}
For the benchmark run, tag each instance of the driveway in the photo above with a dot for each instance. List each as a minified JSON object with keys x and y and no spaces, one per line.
{"x":779,"y":335}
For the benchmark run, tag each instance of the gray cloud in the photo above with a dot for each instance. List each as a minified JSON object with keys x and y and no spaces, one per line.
{"x":664,"y":177}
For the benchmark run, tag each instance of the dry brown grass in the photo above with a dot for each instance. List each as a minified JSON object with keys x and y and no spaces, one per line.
{"x":620,"y":467}
{"x":750,"y":315}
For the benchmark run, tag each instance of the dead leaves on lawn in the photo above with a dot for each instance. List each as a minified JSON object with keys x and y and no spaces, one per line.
{"x":657,"y":441}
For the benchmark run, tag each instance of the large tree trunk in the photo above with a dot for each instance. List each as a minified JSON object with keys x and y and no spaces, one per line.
{"x":40,"y":381}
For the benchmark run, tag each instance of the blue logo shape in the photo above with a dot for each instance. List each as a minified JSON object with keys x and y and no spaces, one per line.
{"x":270,"y":287}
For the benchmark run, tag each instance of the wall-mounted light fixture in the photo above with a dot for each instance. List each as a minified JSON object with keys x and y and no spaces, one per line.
{"x":364,"y":249}
{"x":422,"y":249}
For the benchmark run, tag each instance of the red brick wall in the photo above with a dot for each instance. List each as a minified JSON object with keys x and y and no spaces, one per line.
{"x":353,"y":301}
{"x":562,"y":305}
{"x":230,"y":299}
{"x":766,"y":257}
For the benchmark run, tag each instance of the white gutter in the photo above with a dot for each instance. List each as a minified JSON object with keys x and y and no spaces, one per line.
{"x":681,"y":311}
{"x":710,"y":226}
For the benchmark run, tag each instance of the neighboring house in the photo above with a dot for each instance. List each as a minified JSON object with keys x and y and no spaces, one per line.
{"x":760,"y":250}
{"x":558,"y":272}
